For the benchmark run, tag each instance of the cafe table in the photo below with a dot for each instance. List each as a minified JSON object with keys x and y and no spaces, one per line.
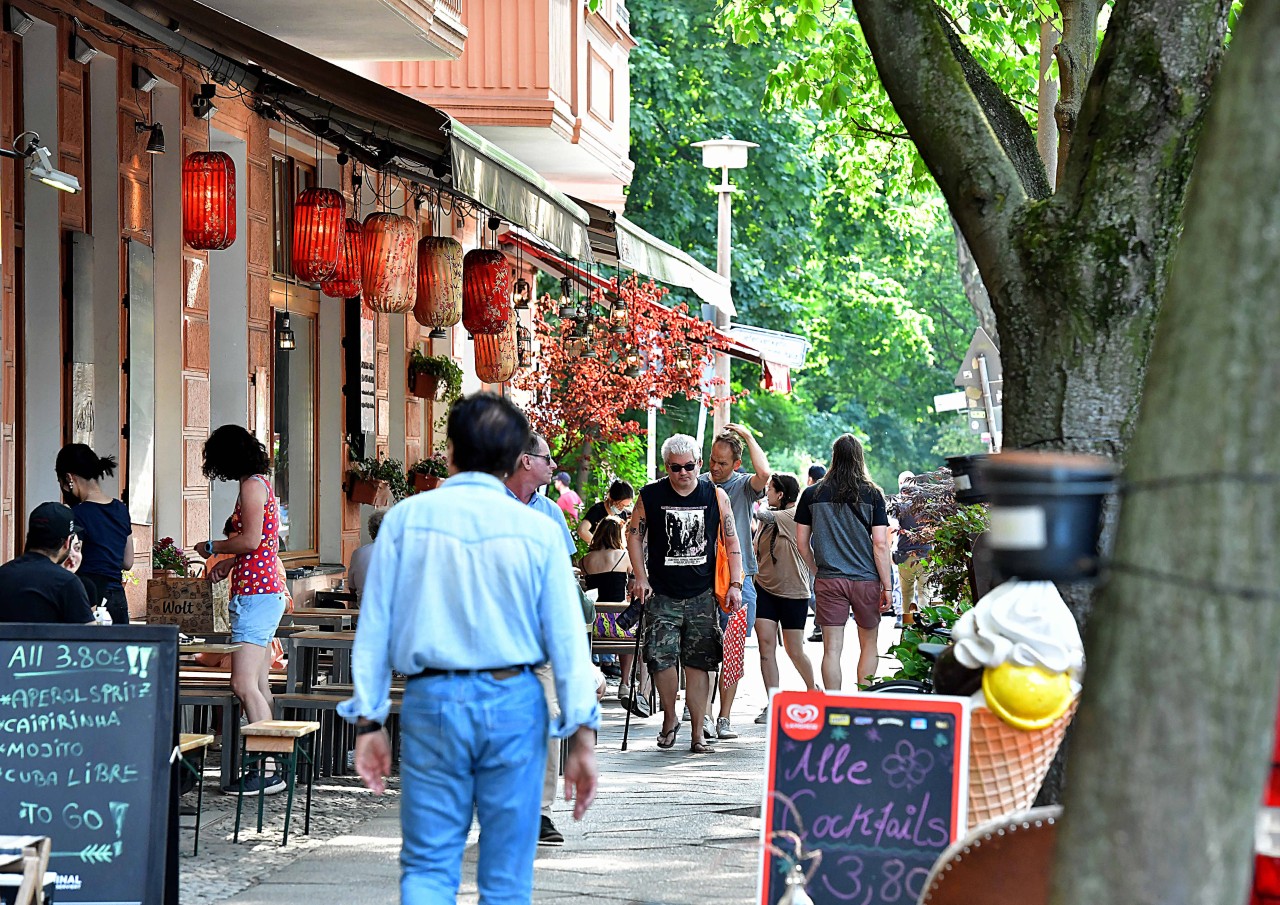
{"x":303,"y":650}
{"x":333,"y":618}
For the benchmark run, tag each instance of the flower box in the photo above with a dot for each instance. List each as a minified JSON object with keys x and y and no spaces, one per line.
{"x":423,"y":482}
{"x":370,"y":493}
{"x":424,"y":386}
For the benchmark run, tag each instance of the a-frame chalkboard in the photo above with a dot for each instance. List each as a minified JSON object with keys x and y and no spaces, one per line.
{"x":878,"y":783}
{"x":86,"y":733}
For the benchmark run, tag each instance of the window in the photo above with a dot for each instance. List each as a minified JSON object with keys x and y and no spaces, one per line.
{"x":294,"y":413}
{"x":289,"y":179}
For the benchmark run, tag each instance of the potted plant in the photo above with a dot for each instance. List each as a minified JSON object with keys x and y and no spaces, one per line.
{"x":169,"y":560}
{"x":435,"y":377}
{"x":428,"y":473}
{"x":376,"y":482}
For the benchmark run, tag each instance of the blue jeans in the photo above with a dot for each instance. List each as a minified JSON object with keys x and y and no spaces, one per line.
{"x":471,"y":743}
{"x":748,"y":601}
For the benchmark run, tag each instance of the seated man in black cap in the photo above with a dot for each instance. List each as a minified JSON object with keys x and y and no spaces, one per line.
{"x":34,"y":587}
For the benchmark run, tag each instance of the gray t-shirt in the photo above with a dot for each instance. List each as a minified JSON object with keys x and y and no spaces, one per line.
{"x":841,"y":543}
{"x":741,"y":497}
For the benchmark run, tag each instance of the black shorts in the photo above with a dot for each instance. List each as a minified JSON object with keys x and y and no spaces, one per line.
{"x":790,"y":613}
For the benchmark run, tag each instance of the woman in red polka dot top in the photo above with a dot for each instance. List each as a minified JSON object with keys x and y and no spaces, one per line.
{"x":257,"y":593}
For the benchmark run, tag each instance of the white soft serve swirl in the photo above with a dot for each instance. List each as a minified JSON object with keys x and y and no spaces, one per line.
{"x":1021,"y":622}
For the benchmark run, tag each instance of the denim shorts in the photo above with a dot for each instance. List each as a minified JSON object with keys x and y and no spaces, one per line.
{"x":255,"y":618}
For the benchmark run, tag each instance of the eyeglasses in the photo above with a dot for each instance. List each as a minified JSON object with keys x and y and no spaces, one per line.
{"x":687,"y":466}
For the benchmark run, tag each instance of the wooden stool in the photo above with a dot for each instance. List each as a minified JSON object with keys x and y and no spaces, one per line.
{"x":188,"y":742}
{"x":280,"y":739}
{"x":23,"y":867}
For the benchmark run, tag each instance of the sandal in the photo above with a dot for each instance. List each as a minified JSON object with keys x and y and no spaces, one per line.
{"x":701,"y":748}
{"x":669,"y":737}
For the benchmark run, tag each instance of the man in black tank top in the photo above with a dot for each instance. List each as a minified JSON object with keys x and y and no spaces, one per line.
{"x":677,"y":519}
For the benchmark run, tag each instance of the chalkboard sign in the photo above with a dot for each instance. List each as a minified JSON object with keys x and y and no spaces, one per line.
{"x":876,"y":782}
{"x":86,"y":730}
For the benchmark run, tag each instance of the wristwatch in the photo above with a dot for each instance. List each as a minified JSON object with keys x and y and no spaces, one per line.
{"x":736,"y":584}
{"x":367,"y":728}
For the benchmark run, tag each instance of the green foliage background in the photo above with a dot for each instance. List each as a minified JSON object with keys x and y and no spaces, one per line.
{"x":864,"y":268}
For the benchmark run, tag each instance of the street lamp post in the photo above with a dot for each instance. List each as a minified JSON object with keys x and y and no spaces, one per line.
{"x":724,"y":154}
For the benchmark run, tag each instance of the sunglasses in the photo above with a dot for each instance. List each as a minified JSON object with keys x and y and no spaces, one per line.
{"x":688,"y":466}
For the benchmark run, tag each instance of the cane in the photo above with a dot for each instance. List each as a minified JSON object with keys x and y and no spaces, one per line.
{"x":635,"y":670}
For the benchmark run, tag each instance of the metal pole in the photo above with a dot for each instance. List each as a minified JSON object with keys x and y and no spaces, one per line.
{"x":993,"y":443}
{"x":724,"y":266}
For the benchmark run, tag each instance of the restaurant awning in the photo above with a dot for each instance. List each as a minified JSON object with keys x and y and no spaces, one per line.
{"x":384,"y":129}
{"x":618,"y":242}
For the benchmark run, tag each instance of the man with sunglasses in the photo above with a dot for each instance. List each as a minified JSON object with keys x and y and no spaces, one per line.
{"x":678,"y":518}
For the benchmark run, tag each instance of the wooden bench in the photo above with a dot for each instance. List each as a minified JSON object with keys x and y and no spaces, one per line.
{"x":283,"y":740}
{"x":202,"y":695}
{"x":187,"y":743}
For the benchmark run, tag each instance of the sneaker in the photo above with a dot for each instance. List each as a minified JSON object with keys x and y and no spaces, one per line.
{"x":624,"y":692}
{"x":763,"y":717}
{"x":723,"y":729}
{"x":708,"y":730}
{"x":817,"y":633}
{"x":254,"y":783}
{"x":685,"y":718}
{"x":549,"y":835}
{"x":897,"y":623}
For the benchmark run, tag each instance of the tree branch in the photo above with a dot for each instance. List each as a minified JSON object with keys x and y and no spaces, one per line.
{"x":1075,"y":52}
{"x":949,"y":126}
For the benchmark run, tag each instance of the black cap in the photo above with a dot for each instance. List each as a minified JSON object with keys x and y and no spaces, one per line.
{"x":49,"y":526}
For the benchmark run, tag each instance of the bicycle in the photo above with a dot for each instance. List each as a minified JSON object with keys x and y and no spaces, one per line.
{"x":929,"y":650}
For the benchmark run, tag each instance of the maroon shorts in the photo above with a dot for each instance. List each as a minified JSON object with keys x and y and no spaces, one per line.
{"x":837,"y":597}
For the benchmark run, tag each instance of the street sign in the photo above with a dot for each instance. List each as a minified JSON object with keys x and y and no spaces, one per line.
{"x":950,"y":402}
{"x":980,"y":347}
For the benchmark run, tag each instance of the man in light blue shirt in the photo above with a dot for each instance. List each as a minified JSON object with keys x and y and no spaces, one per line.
{"x":466,"y":593}
{"x":533,"y":470}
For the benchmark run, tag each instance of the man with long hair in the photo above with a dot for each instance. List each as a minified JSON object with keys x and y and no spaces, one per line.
{"x":842,"y":530}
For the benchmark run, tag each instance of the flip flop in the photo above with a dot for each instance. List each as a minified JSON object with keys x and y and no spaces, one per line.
{"x":701,"y":748}
{"x":669,"y":737}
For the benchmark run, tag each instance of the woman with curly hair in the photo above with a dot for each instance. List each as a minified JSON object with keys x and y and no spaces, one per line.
{"x":106,"y":529}
{"x":257,"y":592}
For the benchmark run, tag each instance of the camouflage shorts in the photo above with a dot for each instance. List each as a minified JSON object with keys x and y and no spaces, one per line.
{"x":683,"y":632}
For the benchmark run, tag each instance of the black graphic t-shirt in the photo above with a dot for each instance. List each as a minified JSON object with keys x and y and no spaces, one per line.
{"x":682,"y":538}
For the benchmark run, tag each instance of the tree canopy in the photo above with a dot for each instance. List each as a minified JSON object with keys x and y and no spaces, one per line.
{"x":869,"y":278}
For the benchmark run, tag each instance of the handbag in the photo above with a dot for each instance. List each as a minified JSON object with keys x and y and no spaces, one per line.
{"x":724,"y":577}
{"x":627,"y":619}
{"x":608,"y":629}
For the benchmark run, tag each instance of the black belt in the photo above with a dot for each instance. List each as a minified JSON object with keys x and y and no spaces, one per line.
{"x":497,"y":672}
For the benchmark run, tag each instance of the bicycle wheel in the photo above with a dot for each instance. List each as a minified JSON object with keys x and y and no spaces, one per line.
{"x":900,"y":686}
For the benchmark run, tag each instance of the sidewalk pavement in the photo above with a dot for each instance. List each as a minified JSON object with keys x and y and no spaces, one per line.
{"x":666,"y":827}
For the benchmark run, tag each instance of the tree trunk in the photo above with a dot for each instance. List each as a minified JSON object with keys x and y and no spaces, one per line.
{"x":1175,"y":729}
{"x":1046,"y":99}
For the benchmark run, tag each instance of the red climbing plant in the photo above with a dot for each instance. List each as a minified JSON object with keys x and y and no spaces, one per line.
{"x":583,"y":386}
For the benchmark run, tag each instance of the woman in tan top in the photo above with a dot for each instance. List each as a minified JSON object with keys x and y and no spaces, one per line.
{"x":782,"y":584}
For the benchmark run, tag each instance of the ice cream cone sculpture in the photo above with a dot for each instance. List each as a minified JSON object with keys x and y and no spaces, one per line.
{"x":1025,"y":641}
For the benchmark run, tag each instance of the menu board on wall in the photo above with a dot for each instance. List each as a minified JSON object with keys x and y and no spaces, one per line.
{"x":368,"y":376}
{"x":86,"y":731}
{"x":877,"y":783}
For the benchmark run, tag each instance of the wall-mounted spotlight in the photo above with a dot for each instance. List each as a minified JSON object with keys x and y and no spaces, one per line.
{"x":27,"y":146}
{"x":143,"y":78}
{"x":202,"y":107}
{"x":16,"y":22}
{"x":155,"y":144}
{"x":81,"y":50}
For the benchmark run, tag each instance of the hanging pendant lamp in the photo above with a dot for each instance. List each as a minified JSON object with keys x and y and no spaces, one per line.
{"x":345,"y":282}
{"x":439,"y":297}
{"x":486,"y":291}
{"x":318,"y":225}
{"x":208,"y":200}
{"x":497,"y":355}
{"x":388,"y":262}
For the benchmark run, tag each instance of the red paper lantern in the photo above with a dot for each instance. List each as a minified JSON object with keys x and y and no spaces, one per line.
{"x":208,"y":200}
{"x":317,"y":234}
{"x":388,"y":262}
{"x":497,"y":355}
{"x":439,"y":302}
{"x":345,"y":282}
{"x":486,"y":291}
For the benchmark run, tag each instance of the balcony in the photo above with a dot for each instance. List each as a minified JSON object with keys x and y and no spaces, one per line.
{"x":358,"y":29}
{"x":545,"y":80}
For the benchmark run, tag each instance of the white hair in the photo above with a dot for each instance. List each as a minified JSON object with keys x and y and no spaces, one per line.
{"x":681,"y":444}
